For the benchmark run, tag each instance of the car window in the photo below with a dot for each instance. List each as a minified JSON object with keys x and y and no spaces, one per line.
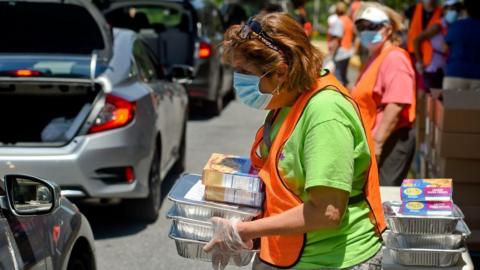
{"x":146,"y":68}
{"x":210,"y":19}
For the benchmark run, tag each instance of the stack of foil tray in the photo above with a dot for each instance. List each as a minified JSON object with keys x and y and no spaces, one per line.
{"x":190,"y":214}
{"x":437,"y":241}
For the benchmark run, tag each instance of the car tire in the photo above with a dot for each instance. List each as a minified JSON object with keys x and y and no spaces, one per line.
{"x":215,"y":107}
{"x":78,"y":263}
{"x":148,"y":209}
{"x":180,"y":164}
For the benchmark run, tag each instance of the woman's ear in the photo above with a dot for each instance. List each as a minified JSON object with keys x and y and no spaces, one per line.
{"x":388,"y":31}
{"x":282,"y":73}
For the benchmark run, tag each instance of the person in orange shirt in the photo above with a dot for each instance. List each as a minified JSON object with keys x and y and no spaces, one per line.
{"x":433,"y":67}
{"x":423,"y":15}
{"x":385,"y":92}
{"x":341,"y":35}
{"x":354,"y":7}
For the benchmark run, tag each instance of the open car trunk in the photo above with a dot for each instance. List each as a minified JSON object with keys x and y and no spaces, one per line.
{"x":56,"y":51}
{"x":44,"y":113}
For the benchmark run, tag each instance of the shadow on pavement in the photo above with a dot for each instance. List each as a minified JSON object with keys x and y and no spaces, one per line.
{"x":111,"y":220}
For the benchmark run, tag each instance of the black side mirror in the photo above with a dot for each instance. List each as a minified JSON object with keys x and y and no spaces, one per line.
{"x":182,"y":74}
{"x":27,"y":195}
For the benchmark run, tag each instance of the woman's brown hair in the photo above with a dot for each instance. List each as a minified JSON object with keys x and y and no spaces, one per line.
{"x":304,"y":61}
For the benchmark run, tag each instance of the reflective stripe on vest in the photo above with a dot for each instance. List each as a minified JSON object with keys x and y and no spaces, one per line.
{"x":416,"y":27}
{"x":286,"y":251}
{"x":363,"y":91}
{"x":347,"y":39}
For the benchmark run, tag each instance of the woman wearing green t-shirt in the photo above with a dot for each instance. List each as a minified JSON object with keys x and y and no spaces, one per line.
{"x":314,"y":157}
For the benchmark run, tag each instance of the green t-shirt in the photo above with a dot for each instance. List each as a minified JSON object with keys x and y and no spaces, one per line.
{"x":328,"y":148}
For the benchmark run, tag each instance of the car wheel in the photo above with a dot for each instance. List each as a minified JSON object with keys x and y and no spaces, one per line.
{"x":181,"y":162}
{"x":215,"y":107}
{"x":147,"y":209}
{"x":79,"y":263}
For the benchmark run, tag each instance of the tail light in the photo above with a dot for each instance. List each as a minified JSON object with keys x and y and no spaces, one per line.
{"x":205,"y":50}
{"x":25,"y":73}
{"x":116,"y":113}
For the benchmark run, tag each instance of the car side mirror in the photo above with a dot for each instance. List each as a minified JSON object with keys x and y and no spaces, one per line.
{"x":28,"y":196}
{"x":182,"y":74}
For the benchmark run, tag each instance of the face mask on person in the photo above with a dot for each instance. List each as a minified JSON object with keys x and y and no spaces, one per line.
{"x":451,"y":16}
{"x":370,"y":39}
{"x":247,"y":88}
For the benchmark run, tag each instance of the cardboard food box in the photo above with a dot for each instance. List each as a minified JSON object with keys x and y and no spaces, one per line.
{"x":231,"y":172}
{"x":457,"y":145}
{"x":427,"y":209}
{"x":464,"y":171}
{"x":458,"y":112}
{"x":466,"y":195}
{"x":426,"y":190}
{"x":234,"y":196}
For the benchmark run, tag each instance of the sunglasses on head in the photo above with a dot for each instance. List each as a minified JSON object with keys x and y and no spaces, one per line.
{"x":254,"y":28}
{"x":364,"y":25}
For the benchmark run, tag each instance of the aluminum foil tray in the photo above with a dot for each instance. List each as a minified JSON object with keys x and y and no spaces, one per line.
{"x":399,"y":223}
{"x":426,"y":257}
{"x":193,"y":249}
{"x":429,"y":241}
{"x":187,"y":195}
{"x":190,"y":228}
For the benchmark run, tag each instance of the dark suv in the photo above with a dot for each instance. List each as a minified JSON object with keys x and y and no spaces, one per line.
{"x":190,"y":31}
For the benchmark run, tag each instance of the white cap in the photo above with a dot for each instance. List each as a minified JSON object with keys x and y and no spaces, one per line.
{"x":451,"y":2}
{"x":373,"y":14}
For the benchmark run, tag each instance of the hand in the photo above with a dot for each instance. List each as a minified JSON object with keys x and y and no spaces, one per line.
{"x":226,"y":243}
{"x":419,"y":66}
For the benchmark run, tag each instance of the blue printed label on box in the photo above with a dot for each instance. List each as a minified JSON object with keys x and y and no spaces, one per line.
{"x":426,"y":190}
{"x":427,"y":208}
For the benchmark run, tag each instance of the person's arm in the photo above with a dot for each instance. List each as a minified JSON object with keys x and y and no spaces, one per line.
{"x":391,"y":116}
{"x":324,"y":210}
{"x":417,"y":42}
{"x":333,"y":45}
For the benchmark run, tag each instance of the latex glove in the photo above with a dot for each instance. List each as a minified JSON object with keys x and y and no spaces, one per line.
{"x":420,"y":68}
{"x":226,"y":243}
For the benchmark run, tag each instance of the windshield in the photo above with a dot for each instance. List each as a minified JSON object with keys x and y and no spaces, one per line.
{"x":158,"y":18}
{"x":48,"y":66}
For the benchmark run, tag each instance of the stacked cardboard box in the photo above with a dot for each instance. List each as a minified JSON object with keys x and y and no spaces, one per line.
{"x":452,"y":148}
{"x":231,"y":179}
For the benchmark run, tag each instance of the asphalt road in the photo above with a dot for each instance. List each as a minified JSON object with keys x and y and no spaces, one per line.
{"x":123,"y":244}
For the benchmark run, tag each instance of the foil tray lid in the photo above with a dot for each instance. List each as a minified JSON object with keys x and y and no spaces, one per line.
{"x":391,"y":209}
{"x":189,"y":190}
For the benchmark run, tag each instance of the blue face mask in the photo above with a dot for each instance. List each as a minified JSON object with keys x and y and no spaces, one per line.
{"x":369,"y":38}
{"x":247,"y":88}
{"x":451,"y":16}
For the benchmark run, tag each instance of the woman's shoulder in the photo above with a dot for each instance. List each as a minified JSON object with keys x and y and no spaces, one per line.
{"x":329,"y":104}
{"x":397,"y":59}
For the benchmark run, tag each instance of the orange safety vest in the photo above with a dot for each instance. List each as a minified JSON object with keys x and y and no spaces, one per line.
{"x":286,"y":250}
{"x":363,"y":91}
{"x":416,"y":27}
{"x":347,"y":39}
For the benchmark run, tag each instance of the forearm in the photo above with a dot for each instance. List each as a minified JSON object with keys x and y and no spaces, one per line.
{"x":391,"y":116}
{"x":316,"y":214}
{"x":416,"y":49}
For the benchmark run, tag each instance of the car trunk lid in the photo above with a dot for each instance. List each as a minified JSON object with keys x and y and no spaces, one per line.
{"x":54,"y":27}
